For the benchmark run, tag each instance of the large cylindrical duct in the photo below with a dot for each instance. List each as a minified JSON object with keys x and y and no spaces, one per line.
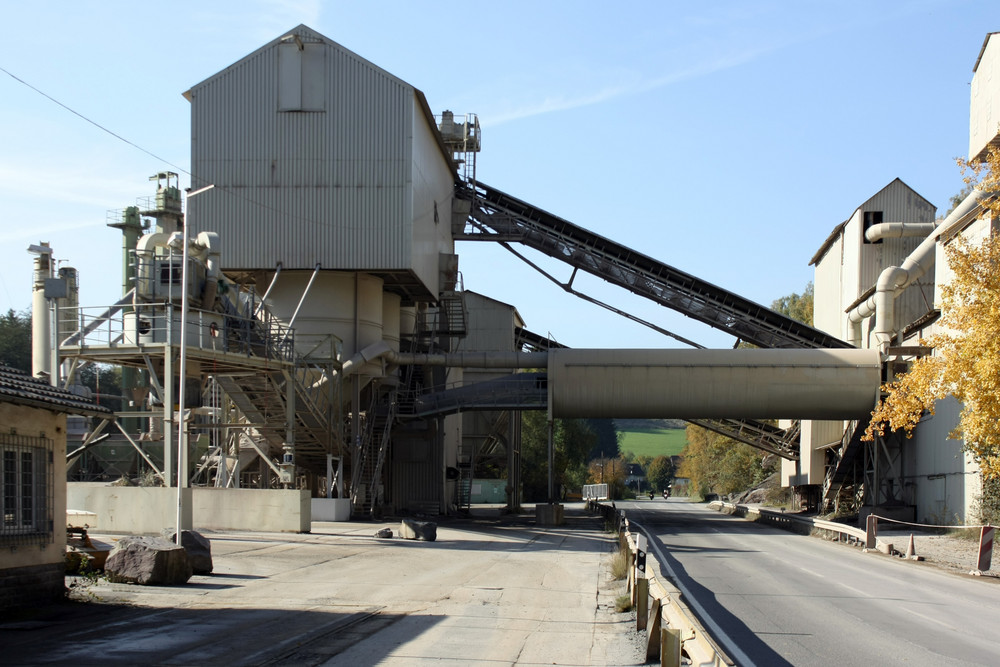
{"x":713,"y":384}
{"x":342,"y":304}
{"x":391,"y":319}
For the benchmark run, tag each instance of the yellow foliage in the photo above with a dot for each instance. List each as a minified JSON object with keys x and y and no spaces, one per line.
{"x":966,"y":363}
{"x":716,"y":464}
{"x":985,"y":175}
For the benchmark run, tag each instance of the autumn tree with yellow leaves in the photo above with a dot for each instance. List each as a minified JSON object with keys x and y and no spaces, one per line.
{"x":966,"y":360}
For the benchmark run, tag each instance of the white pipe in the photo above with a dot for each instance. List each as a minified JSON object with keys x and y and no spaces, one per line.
{"x":302,"y":299}
{"x":274,"y":279}
{"x":382,"y":350}
{"x":209,"y":248}
{"x":145,"y":255}
{"x":898,"y":230}
{"x":895,"y":279}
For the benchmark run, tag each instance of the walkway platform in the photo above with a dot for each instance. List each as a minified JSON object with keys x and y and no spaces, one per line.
{"x":495,"y":589}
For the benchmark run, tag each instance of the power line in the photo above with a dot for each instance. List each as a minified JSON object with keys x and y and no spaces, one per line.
{"x":229,"y":191}
{"x":92,"y":122}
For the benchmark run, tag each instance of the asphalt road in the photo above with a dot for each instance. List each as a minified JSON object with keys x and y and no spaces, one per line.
{"x":775,"y":598}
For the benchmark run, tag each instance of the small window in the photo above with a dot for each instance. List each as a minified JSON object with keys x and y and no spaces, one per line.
{"x":170,"y":273}
{"x":871,"y":218}
{"x":26,"y":501}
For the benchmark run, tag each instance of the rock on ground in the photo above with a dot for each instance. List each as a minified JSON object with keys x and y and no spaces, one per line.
{"x":149,"y":561}
{"x":198,"y":548}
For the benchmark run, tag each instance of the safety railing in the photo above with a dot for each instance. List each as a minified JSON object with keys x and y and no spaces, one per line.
{"x":146,"y":324}
{"x":595,"y":492}
{"x":841,"y":532}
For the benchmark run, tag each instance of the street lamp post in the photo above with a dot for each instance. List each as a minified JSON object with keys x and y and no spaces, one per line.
{"x":182,"y":440}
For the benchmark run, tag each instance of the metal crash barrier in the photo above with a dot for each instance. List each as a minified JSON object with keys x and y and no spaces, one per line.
{"x":672,"y":630}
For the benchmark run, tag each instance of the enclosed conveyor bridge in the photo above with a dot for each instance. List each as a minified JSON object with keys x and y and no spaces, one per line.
{"x":496,"y":216}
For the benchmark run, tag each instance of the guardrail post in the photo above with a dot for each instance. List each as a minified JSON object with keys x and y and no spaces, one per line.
{"x":641,"y":603}
{"x":654,"y":627}
{"x":871,"y":526}
{"x":670,"y":649}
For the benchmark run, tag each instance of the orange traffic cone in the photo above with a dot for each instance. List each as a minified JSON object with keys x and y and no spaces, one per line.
{"x":910,"y":552}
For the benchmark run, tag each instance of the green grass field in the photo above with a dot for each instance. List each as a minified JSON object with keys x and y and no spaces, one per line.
{"x":653,"y":441}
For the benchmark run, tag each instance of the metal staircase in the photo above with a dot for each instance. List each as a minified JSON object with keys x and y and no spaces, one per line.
{"x":369,"y":455}
{"x":452,"y":317}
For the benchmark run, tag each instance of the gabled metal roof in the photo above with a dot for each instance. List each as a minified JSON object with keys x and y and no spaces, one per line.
{"x":303,"y":30}
{"x":840,"y":228}
{"x":19,"y":388}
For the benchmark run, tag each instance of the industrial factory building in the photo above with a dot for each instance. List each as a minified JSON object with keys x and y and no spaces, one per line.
{"x":310,"y":296}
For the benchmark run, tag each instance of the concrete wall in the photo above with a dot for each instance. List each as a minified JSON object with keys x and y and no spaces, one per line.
{"x":331,"y":509}
{"x":149,"y":510}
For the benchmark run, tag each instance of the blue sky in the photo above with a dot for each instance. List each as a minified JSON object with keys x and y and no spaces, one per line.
{"x":725,"y":138}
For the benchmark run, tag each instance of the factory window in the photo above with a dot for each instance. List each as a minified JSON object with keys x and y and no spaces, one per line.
{"x":170,"y":273}
{"x":301,"y":75}
{"x":871,"y":218}
{"x":26,"y":502}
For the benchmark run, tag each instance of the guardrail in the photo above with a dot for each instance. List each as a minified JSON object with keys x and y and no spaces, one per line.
{"x":671,"y":628}
{"x":805,"y":525}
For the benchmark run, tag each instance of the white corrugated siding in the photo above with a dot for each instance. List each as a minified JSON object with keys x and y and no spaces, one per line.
{"x":828,"y":297}
{"x":864,"y":262}
{"x":303,"y":188}
{"x":984,"y":105}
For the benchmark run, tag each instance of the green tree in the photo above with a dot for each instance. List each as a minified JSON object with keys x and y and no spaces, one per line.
{"x":797,"y":306}
{"x":105,"y":382}
{"x":15,"y":340}
{"x":573,"y":440}
{"x":660,"y":473}
{"x":609,"y":438}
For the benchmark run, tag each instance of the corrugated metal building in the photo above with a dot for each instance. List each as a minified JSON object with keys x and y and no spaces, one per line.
{"x":847,"y":265}
{"x":847,"y":268}
{"x":488,"y":435}
{"x":318,"y":157}
{"x":333,"y":194}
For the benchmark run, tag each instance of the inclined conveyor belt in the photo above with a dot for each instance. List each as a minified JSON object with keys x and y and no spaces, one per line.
{"x":496,"y":216}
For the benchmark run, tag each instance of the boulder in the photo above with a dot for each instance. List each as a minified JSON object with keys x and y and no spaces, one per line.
{"x":150,"y":561}
{"x":199,"y":549}
{"x":410,"y":529}
{"x":384,"y":533}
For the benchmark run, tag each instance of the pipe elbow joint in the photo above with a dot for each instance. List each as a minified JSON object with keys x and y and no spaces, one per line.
{"x":891,"y":279}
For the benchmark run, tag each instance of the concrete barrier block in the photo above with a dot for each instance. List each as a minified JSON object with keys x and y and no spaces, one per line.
{"x":550,"y":515}
{"x":410,"y":529}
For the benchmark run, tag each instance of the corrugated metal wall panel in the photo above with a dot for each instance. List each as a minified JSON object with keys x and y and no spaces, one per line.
{"x":828,"y":297}
{"x":305,"y":187}
{"x":985,"y":98}
{"x":417,"y":472}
